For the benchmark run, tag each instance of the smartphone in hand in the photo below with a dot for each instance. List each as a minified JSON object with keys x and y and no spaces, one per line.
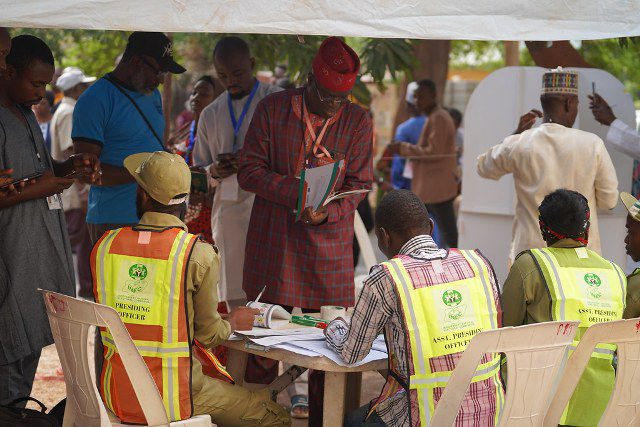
{"x":23,"y":179}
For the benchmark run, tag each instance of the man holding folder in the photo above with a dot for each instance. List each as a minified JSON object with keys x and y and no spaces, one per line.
{"x":306,"y":263}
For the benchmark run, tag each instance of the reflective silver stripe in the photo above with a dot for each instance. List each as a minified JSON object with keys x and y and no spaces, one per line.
{"x":102,"y":256}
{"x":399,"y":269}
{"x":172,"y":412}
{"x":487,"y":293}
{"x":617,"y":270}
{"x":172,"y":289}
{"x":559,"y":284}
{"x":597,"y":350}
{"x":447,"y":376}
{"x":412,"y":313}
{"x":153,"y":349}
{"x":425,"y":405}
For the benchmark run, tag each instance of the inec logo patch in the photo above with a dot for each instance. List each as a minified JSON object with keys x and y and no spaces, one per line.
{"x":138,"y":273}
{"x":452,"y":299}
{"x":594,"y":282}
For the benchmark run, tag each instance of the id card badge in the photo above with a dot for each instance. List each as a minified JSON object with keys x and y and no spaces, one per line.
{"x":54,"y":202}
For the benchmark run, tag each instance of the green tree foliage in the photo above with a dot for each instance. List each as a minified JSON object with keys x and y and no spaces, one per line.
{"x":620,"y":57}
{"x":93,"y":51}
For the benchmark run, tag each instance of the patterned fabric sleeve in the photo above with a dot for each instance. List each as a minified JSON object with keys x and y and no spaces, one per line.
{"x":254,"y":171}
{"x":372,"y":312}
{"x":359,"y":173}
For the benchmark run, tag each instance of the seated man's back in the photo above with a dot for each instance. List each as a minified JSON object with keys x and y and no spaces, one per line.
{"x":430,"y":303}
{"x":162,"y":281}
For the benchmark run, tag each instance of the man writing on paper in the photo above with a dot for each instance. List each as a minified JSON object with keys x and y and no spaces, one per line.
{"x":221,"y":131}
{"x":552,"y":156}
{"x":421,"y":281}
{"x":306,"y":263}
{"x":566,"y":281}
{"x":162,"y":281}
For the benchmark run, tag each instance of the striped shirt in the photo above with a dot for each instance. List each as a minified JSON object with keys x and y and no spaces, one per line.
{"x":379,"y":309}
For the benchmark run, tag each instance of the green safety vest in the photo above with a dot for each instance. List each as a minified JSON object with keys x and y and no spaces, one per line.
{"x":441,"y":320}
{"x":585,"y":287}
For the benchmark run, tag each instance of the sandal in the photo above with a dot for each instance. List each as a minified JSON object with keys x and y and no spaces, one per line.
{"x":299,"y":407}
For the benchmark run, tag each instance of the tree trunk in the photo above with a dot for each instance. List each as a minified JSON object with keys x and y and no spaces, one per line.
{"x":511,"y":54}
{"x":559,"y":54}
{"x":433,"y":63}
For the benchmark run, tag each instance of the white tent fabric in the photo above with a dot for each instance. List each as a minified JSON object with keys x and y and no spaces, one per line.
{"x":424,"y":19}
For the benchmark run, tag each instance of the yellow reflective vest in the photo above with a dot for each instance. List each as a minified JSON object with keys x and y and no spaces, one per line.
{"x":142,"y":274}
{"x":585,"y":287}
{"x":441,"y":319}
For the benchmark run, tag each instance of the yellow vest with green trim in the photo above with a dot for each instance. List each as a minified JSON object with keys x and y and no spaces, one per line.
{"x":441,"y":319}
{"x":585,"y":287}
{"x":142,"y":274}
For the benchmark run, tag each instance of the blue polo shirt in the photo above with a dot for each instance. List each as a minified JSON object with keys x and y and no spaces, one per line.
{"x":408,"y":131}
{"x":104,"y":116}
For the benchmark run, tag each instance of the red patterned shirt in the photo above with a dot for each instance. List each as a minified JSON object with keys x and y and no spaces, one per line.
{"x":379,"y":308}
{"x":302,"y":265}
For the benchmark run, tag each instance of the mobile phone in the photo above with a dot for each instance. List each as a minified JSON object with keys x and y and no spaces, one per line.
{"x":23,"y":179}
{"x":199,"y":181}
{"x":593,"y":89}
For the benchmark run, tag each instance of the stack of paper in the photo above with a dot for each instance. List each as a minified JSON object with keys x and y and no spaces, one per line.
{"x":308,"y":342}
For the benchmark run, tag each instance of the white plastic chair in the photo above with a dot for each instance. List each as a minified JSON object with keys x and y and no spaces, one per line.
{"x":71,"y":320}
{"x":366,"y":249}
{"x":623,"y":408}
{"x":536,"y":355}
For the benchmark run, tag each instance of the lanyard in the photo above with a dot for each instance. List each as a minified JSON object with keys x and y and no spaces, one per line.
{"x":317,"y":140}
{"x":190,"y":142}
{"x":32,"y":137}
{"x":238,"y":123}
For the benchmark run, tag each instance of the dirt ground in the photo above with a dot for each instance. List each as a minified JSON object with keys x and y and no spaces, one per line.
{"x":49,"y":386}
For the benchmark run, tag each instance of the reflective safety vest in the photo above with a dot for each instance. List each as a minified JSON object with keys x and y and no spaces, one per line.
{"x":142,"y":274}
{"x":441,"y":319}
{"x":585,"y":287}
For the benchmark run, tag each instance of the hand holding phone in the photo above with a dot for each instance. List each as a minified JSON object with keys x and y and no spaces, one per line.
{"x":19,"y":182}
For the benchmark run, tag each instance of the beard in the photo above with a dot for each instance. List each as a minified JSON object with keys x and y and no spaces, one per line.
{"x":139,"y":83}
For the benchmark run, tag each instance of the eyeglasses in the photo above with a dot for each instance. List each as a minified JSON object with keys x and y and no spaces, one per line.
{"x":329,"y":99}
{"x":159,"y":73}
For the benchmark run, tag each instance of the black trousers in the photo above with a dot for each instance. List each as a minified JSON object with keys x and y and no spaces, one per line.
{"x":16,"y":378}
{"x":444,"y":215}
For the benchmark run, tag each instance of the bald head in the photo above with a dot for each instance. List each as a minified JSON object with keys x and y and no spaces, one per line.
{"x":230,"y":46}
{"x":5,"y":47}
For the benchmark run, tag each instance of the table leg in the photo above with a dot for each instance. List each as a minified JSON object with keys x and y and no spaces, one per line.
{"x":237,"y":365}
{"x":353,"y":389}
{"x":334,"y":397}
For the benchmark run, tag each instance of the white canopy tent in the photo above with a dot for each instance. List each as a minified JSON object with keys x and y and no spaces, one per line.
{"x":422,"y":19}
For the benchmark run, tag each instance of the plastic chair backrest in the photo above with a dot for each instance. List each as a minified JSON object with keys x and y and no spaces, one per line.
{"x":71,"y":320}
{"x":536,"y":355}
{"x":623,"y":408}
{"x":366,"y":249}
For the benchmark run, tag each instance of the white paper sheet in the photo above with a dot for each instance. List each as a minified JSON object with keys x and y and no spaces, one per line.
{"x":280,"y":339}
{"x":262,"y":332}
{"x":229,"y":188}
{"x":323,"y":349}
